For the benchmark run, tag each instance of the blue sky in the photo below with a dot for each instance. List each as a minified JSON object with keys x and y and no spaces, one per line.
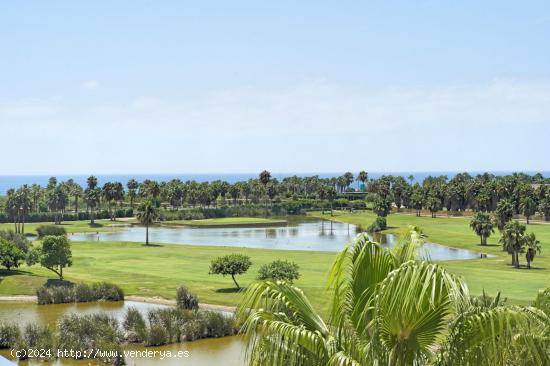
{"x":174,"y":86}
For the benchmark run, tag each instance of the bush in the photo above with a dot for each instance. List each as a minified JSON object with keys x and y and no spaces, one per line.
{"x":157,"y":336}
{"x":185,"y":299}
{"x":134,"y":326}
{"x":39,"y":338}
{"x":9,"y":335}
{"x":68,"y":292}
{"x":378,"y":225}
{"x":279,"y":270}
{"x":55,"y":230}
{"x":107,"y":291}
{"x":85,"y":333}
{"x":217,"y":324}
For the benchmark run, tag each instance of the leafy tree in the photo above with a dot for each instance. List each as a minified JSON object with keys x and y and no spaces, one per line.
{"x":10,"y":255}
{"x":382,"y":206}
{"x":503,"y":213}
{"x":433,"y":204}
{"x":512,"y":240}
{"x":279,"y":270}
{"x":363,"y":177}
{"x":93,"y":197}
{"x":132,"y":186}
{"x":544,"y":207}
{"x":56,"y":254}
{"x":482,"y":225}
{"x":388,"y":309}
{"x":417,"y":199}
{"x":528,"y":207}
{"x":147,"y":214}
{"x":231,"y":265}
{"x":265,"y":177}
{"x":532,"y":247}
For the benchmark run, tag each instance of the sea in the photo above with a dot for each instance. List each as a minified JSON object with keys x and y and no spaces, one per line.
{"x":15,"y":181}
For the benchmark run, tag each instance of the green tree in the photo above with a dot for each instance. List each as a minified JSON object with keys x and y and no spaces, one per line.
{"x":532,"y":248}
{"x":528,"y":207}
{"x":482,"y":225}
{"x":132,"y":186}
{"x":147,"y":214}
{"x":513,"y":239}
{"x":10,"y":255}
{"x":56,"y":254}
{"x":363,"y":177}
{"x":265,"y":177}
{"x":503,"y":213}
{"x":382,"y":206}
{"x":93,"y":196}
{"x":433,"y":204}
{"x":387,"y":309}
{"x":279,"y":270}
{"x":231,"y":265}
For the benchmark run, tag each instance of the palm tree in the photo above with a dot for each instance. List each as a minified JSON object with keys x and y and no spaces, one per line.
{"x":147,"y":214}
{"x":132,"y":186}
{"x":512,"y":240}
{"x":482,"y":225}
{"x":528,"y":207}
{"x":532,"y":246}
{"x":387,"y":309}
{"x":93,"y":197}
{"x":362,"y":177}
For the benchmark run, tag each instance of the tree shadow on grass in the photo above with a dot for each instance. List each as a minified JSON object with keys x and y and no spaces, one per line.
{"x":14,"y":272}
{"x":152,"y":245}
{"x":230,"y":290}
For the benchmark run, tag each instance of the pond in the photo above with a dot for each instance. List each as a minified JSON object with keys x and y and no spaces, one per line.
{"x":299,"y":233}
{"x":214,"y":351}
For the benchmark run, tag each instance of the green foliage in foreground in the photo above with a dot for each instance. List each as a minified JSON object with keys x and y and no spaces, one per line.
{"x":387,"y":308}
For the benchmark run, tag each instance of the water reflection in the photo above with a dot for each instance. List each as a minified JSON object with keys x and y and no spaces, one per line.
{"x":299,"y":234}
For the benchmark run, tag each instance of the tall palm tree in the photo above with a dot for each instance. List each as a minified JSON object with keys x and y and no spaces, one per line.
{"x":532,"y":247}
{"x":482,"y":225}
{"x":147,"y":214}
{"x":512,"y":240}
{"x":388,"y":308}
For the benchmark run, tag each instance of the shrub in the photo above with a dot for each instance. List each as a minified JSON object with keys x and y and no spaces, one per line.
{"x":85,"y":333}
{"x":279,"y":270}
{"x":185,"y":299}
{"x":107,"y":291}
{"x":39,"y":338}
{"x":55,"y":230}
{"x":134,"y":326}
{"x":66,"y":293}
{"x":217,"y":324}
{"x":378,"y":225}
{"x":9,"y":335}
{"x":157,"y":336}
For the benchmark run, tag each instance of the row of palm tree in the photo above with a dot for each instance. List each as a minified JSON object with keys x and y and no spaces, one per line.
{"x":391,"y":307}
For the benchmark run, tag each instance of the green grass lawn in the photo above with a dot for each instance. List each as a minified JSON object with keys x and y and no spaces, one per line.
{"x":159,"y":270}
{"x":71,"y":226}
{"x":227,"y":221}
{"x":493,"y":274}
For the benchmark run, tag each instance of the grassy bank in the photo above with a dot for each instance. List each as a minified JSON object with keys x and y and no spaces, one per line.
{"x":493,"y":274}
{"x":227,"y":221}
{"x":159,"y":270}
{"x":83,"y":226}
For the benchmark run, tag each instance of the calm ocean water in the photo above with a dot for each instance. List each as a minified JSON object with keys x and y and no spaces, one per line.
{"x":14,"y":181}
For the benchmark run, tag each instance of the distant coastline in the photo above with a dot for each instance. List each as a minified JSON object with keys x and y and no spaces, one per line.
{"x":14,"y":181}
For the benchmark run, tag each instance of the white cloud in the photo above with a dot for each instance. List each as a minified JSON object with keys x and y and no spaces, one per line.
{"x":89,"y":84}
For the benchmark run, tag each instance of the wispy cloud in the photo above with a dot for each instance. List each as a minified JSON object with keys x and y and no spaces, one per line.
{"x":315,"y":126}
{"x":89,"y":84}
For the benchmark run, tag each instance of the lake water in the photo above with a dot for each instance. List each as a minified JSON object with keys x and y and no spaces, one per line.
{"x":215,"y":351}
{"x":299,"y":234}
